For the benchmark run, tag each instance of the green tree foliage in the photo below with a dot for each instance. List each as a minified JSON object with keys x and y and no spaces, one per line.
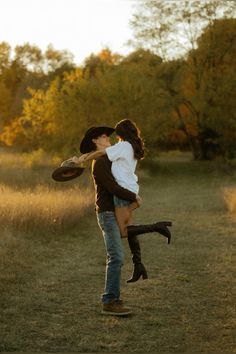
{"x":187,"y":102}
{"x":165,"y":28}
{"x":29,"y":68}
{"x":5,"y":104}
{"x":5,"y":52}
{"x":29,"y":57}
{"x":171,"y":28}
{"x":99,"y":93}
{"x":211,"y":70}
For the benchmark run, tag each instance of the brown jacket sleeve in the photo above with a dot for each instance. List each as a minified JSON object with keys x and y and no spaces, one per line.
{"x":103,"y":176}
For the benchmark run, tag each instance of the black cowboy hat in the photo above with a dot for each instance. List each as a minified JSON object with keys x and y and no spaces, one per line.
{"x":67,"y":171}
{"x":87,"y":144}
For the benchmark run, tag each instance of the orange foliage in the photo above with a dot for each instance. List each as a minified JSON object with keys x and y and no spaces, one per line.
{"x":107,"y":56}
{"x":12,"y":132}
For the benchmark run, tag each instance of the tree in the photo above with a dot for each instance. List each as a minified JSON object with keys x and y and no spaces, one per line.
{"x":29,"y":68}
{"x":5,"y":52}
{"x":171,"y":28}
{"x":29,"y":57}
{"x":211,"y":68}
{"x":5,"y":104}
{"x":188,"y":93}
{"x":98,"y":64}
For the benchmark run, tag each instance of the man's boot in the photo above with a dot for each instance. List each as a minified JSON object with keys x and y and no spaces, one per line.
{"x":139,"y":269}
{"x":160,"y":227}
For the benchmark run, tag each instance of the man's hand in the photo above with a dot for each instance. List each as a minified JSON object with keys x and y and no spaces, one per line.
{"x":78,"y":160}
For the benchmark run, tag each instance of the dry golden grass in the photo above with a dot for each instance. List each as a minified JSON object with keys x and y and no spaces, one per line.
{"x":27,"y":160}
{"x":50,"y":282}
{"x":43,"y":207}
{"x":230,"y":199}
{"x":30,"y":199}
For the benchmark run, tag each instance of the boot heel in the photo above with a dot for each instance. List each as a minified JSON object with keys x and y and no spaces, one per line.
{"x":139,"y":270}
{"x":144,"y":275}
{"x":169,"y":237}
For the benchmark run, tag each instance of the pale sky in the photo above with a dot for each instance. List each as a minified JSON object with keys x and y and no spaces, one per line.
{"x":80,"y":26}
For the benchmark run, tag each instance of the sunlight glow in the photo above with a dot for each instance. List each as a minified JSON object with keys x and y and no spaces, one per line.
{"x":80,"y":26}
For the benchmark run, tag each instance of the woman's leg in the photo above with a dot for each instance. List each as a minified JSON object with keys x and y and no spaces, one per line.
{"x":134,"y":206}
{"x":161,"y":227}
{"x":124,"y":218}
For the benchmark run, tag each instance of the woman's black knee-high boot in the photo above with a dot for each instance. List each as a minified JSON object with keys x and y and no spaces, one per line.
{"x":160,"y":227}
{"x":139,"y":269}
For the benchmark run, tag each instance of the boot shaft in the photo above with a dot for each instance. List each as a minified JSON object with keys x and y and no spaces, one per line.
{"x":160,"y":227}
{"x":135,"y":249}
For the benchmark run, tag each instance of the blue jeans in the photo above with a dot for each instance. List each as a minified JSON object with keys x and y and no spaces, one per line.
{"x":120,"y":203}
{"x":115,"y":255}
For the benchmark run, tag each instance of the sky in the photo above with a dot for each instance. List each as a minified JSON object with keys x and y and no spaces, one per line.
{"x":82,"y":27}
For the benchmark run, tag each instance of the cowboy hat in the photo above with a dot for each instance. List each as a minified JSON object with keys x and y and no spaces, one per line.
{"x":67,"y":171}
{"x":86,"y":144}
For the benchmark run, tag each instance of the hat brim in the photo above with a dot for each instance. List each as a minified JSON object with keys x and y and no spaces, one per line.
{"x":86,"y":144}
{"x":65,"y":173}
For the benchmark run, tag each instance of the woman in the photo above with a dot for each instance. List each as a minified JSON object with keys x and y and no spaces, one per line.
{"x":124,"y":157}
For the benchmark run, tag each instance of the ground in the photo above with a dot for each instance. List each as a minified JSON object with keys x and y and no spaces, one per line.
{"x":52,"y":276}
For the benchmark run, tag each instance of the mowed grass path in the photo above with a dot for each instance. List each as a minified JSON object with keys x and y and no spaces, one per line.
{"x":51,"y":280}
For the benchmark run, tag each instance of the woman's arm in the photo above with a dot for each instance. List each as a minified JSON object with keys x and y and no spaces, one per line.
{"x":88,"y":157}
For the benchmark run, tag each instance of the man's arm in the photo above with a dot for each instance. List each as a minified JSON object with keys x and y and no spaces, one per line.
{"x":103,"y":175}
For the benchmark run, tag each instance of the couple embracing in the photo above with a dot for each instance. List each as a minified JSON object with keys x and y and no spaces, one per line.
{"x":116,"y":189}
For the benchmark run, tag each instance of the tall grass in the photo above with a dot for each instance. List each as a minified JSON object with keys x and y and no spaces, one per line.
{"x":30,"y":199}
{"x":43,"y":207}
{"x":50,"y":286}
{"x":230,"y":199}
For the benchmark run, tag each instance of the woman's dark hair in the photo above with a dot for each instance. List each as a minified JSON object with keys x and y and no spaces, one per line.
{"x":129,"y":131}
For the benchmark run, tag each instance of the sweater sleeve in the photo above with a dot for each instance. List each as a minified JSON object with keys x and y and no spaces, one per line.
{"x":114,"y":152}
{"x":102,"y":174}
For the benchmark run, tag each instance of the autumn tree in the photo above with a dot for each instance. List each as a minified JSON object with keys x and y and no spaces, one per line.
{"x":28,"y":68}
{"x":96,"y":64}
{"x":211,"y":72}
{"x":172,"y":30}
{"x":116,"y":90}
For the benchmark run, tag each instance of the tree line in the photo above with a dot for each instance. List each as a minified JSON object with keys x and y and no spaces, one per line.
{"x":48,"y":102}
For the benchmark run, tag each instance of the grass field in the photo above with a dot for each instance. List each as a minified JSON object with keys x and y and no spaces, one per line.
{"x":52,"y":263}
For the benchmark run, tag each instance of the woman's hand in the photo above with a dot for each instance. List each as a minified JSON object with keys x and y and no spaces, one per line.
{"x":138,"y":200}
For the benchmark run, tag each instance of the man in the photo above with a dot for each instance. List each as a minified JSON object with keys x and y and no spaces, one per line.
{"x":105,"y":187}
{"x":97,"y":138}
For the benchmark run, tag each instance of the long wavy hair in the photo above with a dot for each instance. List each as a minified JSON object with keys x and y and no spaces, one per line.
{"x":128,"y":131}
